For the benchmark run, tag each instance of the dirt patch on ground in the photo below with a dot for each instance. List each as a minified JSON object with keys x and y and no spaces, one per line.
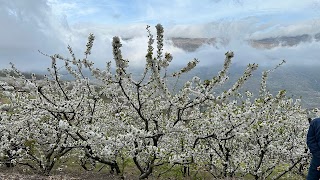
{"x":13,"y":174}
{"x":18,"y":176}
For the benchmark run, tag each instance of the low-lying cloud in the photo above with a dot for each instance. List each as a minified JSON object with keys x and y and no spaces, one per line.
{"x":31,"y":26}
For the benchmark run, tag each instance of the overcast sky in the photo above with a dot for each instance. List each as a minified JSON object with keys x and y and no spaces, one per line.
{"x":50,"y":25}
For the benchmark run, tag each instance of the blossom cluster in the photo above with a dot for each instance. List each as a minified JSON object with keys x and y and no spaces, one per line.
{"x":116,"y":117}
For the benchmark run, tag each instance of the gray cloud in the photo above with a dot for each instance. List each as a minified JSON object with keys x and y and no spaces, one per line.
{"x":27,"y":26}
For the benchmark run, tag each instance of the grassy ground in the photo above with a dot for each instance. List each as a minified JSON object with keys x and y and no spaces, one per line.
{"x":77,"y":173}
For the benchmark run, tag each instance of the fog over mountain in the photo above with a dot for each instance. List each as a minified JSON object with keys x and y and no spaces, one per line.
{"x":258,"y":32}
{"x":263,"y":32}
{"x":288,"y":41}
{"x":192,"y":44}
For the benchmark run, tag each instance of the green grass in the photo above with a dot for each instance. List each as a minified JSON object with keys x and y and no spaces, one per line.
{"x":71,"y":167}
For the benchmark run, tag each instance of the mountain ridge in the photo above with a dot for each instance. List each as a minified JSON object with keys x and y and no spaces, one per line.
{"x":192,"y":44}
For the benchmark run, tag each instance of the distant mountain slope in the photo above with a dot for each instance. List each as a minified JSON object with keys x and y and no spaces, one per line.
{"x":268,"y":43}
{"x":299,"y":81}
{"x":192,"y":44}
{"x":302,"y":81}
